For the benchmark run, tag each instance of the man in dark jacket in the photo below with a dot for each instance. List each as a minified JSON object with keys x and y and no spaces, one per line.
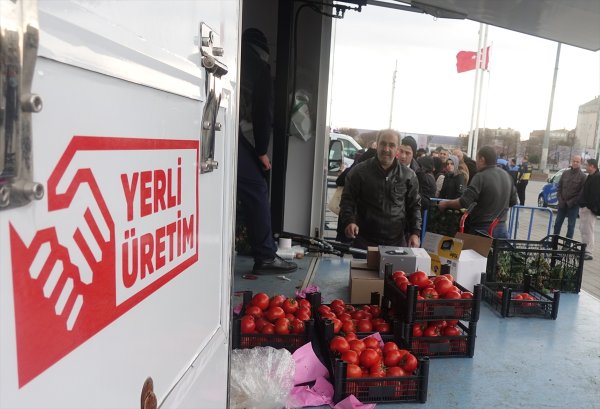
{"x":568,"y":191}
{"x":523,"y":176}
{"x":589,"y":203}
{"x":494,"y":192}
{"x":256,"y":105}
{"x":381,"y":199}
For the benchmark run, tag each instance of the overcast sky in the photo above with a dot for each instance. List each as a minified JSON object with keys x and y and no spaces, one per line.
{"x":431,"y":97}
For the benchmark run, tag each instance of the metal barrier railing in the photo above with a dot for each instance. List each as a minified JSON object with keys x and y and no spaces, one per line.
{"x":513,"y":224}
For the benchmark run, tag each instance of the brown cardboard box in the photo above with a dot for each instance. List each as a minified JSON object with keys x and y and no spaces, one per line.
{"x":373,"y":257}
{"x":362,"y":284}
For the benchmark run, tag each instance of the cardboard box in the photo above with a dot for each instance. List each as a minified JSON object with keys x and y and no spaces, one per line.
{"x":373,"y":257}
{"x":407,"y":259}
{"x":362,"y":283}
{"x":465,"y":256}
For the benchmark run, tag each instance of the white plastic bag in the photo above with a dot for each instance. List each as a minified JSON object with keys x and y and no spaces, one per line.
{"x":301,"y":122}
{"x":261,"y":378}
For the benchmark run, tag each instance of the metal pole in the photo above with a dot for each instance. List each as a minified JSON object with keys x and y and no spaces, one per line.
{"x":470,"y":143}
{"x":482,"y":59}
{"x":544,"y":162}
{"x":393,"y":92}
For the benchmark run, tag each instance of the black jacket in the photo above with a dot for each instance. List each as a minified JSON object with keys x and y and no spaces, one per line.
{"x":426,"y":179}
{"x":384,"y":206}
{"x":471,"y":165}
{"x":453,"y":187}
{"x":590,"y":195}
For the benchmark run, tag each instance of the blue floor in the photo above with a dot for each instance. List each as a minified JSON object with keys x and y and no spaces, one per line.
{"x":518,"y":362}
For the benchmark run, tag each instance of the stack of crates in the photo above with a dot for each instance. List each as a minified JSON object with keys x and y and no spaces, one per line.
{"x":401,"y":389}
{"x":413,"y":312}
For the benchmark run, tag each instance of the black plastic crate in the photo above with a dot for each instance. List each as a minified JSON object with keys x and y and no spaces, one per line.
{"x":555,"y":263}
{"x":409,"y":309}
{"x":321,"y":323}
{"x":461,"y":346}
{"x":445,"y":222}
{"x":545,"y":305}
{"x":401,"y":389}
{"x":291,"y":342}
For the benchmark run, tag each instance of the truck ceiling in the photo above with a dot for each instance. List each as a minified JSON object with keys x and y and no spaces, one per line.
{"x":572,"y":22}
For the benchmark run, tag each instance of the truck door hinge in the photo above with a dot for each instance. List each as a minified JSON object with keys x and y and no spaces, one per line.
{"x":19,"y":39}
{"x":211,"y":51}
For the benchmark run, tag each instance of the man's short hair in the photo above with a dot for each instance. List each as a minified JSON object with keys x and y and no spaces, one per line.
{"x":387,"y":131}
{"x":593,"y":162}
{"x":488,"y":153}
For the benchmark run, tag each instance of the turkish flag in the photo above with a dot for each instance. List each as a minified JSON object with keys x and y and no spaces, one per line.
{"x":467,"y":60}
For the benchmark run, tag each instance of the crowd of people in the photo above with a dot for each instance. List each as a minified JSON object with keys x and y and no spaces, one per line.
{"x":390,"y":184}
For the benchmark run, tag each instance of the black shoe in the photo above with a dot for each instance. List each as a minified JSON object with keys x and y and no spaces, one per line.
{"x":276,"y":265}
{"x":588,"y":257}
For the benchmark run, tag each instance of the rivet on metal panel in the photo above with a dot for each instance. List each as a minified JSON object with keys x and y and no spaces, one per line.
{"x":31,"y":103}
{"x":218,"y":126}
{"x":4,"y":196}
{"x":206,"y":125}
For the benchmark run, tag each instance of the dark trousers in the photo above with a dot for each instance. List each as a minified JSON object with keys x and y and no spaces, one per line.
{"x":571,"y":214}
{"x":521,"y":186}
{"x":253,"y":193}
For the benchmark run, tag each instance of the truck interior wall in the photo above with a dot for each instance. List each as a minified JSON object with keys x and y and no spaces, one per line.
{"x":297,"y":206}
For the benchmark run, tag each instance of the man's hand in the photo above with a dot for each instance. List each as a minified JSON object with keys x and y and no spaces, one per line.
{"x":264,"y":160}
{"x":443,"y":205}
{"x":413,"y":241}
{"x":351,"y":231}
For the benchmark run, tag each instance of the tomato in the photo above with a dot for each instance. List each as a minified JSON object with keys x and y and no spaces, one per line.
{"x":377,"y":371}
{"x":442,"y":285}
{"x":348,"y":326}
{"x":408,"y":362}
{"x":358,"y":314}
{"x":371,"y":342}
{"x":390,"y":346}
{"x":418,"y":328}
{"x":298,"y":326}
{"x":282,"y":326}
{"x":248,"y":324}
{"x":455,"y":288}
{"x":353,"y":371}
{"x":345,"y":317}
{"x":467,"y":295}
{"x":452,"y":322}
{"x":339,"y":344}
{"x":357,"y":345}
{"x":439,"y":324}
{"x":277,"y":300}
{"x":403,"y":287}
{"x":290,"y":306}
{"x":254,"y":310}
{"x":364,"y":325}
{"x":259,"y":323}
{"x":289,"y":316}
{"x":397,"y":274}
{"x":304,"y":303}
{"x":418,"y":277}
{"x":517,"y":297}
{"x":302,"y":315}
{"x":426,"y":284}
{"x":449,"y":277}
{"x":382,"y":327}
{"x":369,"y":358}
{"x":338,"y":310}
{"x":268,"y":328}
{"x":261,"y":300}
{"x":337,"y":302}
{"x":452,"y":295}
{"x":432,"y":331}
{"x":350,"y":357}
{"x":429,"y":294}
{"x":351,"y":336}
{"x":323,"y":309}
{"x":375,"y":310}
{"x":394,"y":372}
{"x":451,"y":331}
{"x":274,"y":313}
{"x":391,"y":358}
{"x":328,"y":315}
{"x":337,"y":325}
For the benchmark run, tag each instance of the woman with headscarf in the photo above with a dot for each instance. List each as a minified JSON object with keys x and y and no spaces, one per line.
{"x":454,"y":180}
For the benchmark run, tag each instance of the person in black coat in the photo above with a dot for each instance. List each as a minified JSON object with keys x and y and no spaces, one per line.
{"x":454,"y":181}
{"x":426,"y":180}
{"x":589,"y":202}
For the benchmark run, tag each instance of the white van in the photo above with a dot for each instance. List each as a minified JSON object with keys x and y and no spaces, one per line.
{"x":342,"y":148}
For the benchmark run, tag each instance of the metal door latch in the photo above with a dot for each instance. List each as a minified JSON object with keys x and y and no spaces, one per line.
{"x":19,"y":39}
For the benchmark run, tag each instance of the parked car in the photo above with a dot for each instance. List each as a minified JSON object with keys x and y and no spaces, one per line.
{"x":547,"y":196}
{"x":342,"y":151}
